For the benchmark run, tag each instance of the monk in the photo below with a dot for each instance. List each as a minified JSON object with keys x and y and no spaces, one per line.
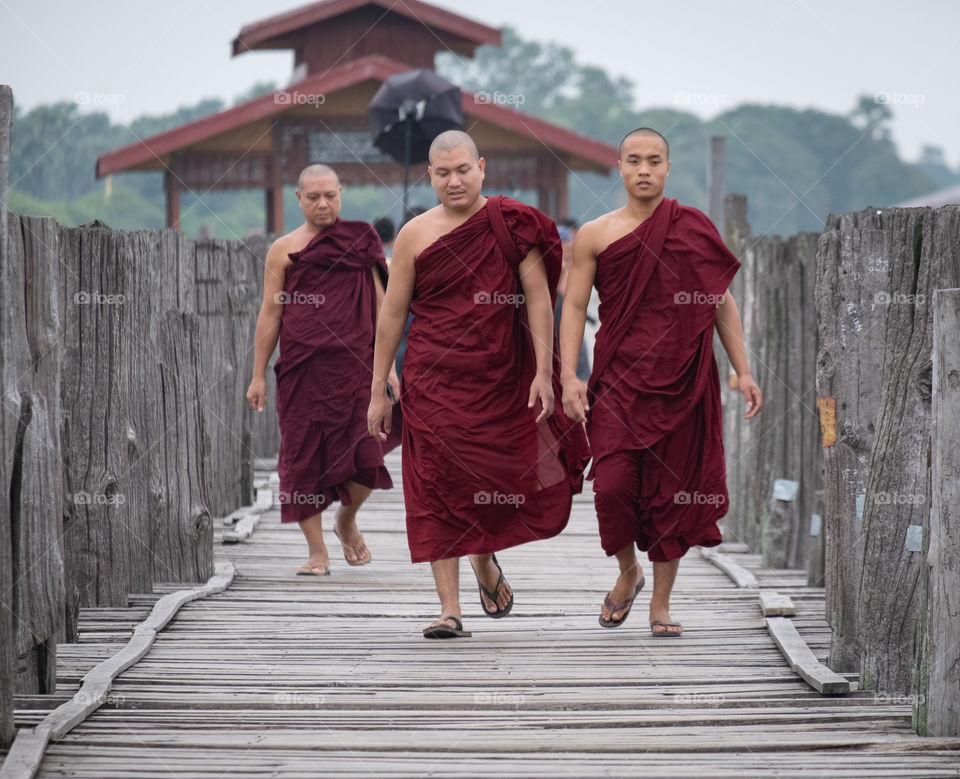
{"x":323,"y":285}
{"x":487,"y":463}
{"x":652,"y":404}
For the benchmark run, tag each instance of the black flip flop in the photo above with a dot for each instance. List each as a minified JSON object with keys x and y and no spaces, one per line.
{"x":627,"y":604}
{"x":498,"y":613}
{"x":446,"y":631}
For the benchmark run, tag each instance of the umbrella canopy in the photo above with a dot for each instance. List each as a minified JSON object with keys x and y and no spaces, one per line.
{"x":418,"y":102}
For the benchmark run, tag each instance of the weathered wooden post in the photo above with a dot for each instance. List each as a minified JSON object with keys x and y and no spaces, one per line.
{"x":937,"y":707}
{"x":7,"y":427}
{"x":716,"y":180}
{"x":853,"y":258}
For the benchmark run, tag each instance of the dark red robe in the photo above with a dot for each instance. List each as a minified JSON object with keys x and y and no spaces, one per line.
{"x":655,"y":421}
{"x":324,"y":370}
{"x":479,"y":475}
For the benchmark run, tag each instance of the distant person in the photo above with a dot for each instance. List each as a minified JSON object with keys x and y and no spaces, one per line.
{"x":487,"y":462}
{"x":652,"y":406}
{"x":386,"y":231}
{"x":567,"y":230}
{"x":325,"y":324}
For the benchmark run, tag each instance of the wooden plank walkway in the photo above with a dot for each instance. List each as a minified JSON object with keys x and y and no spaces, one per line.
{"x":303,"y":677}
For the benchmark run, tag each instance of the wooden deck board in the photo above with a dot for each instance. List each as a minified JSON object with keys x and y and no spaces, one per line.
{"x":295,"y":676}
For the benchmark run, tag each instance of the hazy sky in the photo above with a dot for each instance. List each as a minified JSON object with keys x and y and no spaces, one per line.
{"x":129,"y":57}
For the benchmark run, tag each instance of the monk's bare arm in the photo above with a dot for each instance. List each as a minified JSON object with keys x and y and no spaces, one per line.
{"x":268,"y":323}
{"x":390,"y":325}
{"x":573,"y":318}
{"x":533,"y":279}
{"x":730,"y":329}
{"x":381,"y":294}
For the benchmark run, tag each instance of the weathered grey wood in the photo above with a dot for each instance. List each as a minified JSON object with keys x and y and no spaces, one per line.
{"x":242,"y":530}
{"x":28,"y":748}
{"x":716,"y":180}
{"x":926,"y":257}
{"x":264,"y":425}
{"x":182,"y":543}
{"x":802,"y":660}
{"x":33,"y":455}
{"x":775,"y":291}
{"x":227,"y":302}
{"x":938,"y":705}
{"x":773,"y":604}
{"x":853,"y":260}
{"x":8,"y":429}
{"x":738,"y":575}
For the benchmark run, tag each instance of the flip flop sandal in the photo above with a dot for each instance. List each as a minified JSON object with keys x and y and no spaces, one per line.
{"x":665,"y":633}
{"x":498,"y":613}
{"x":362,"y":560}
{"x":440,"y":630}
{"x":614,"y":608}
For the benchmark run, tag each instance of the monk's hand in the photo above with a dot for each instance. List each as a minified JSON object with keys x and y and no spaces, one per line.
{"x":575,"y":403}
{"x":751,"y":393}
{"x":379,"y":413}
{"x":541,"y":388}
{"x":257,"y":394}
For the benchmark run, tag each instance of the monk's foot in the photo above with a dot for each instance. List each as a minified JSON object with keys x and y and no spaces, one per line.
{"x":622,"y":596}
{"x":496,"y":595}
{"x":355,"y":550}
{"x":317,"y":565}
{"x":661,"y":625}
{"x":446,"y":627}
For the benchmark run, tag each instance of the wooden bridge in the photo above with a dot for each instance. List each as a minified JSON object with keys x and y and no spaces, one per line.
{"x":280,"y":675}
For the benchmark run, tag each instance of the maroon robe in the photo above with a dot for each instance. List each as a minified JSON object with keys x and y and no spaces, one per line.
{"x":479,"y":474}
{"x":655,"y":422}
{"x":324,"y":370}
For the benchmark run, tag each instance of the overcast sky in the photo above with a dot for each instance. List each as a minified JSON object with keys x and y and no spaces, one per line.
{"x":129,"y":57}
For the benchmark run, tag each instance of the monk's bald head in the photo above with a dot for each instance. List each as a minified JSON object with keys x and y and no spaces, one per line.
{"x":645,"y":132}
{"x":450,"y":140}
{"x":318,"y":171}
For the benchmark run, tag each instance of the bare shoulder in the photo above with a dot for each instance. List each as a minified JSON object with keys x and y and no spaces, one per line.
{"x":278,"y":254}
{"x":421,"y":231}
{"x":606,"y":229}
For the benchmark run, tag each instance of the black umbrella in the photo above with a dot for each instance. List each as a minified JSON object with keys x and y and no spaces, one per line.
{"x":410,"y":110}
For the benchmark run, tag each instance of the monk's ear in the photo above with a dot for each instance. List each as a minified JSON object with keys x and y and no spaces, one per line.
{"x":481,"y":163}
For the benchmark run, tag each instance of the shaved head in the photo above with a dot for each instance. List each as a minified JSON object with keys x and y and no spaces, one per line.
{"x":453,"y":139}
{"x":316,"y":170}
{"x":647,"y":131}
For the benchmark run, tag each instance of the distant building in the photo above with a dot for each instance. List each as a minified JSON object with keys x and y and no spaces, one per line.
{"x":944,"y":197}
{"x":343,"y":51}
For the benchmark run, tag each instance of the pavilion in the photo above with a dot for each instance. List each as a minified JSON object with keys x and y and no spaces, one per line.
{"x":343,"y":51}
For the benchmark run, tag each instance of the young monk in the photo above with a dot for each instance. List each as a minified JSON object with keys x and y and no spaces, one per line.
{"x":652,"y":405}
{"x":487,"y":462}
{"x":322,"y":286}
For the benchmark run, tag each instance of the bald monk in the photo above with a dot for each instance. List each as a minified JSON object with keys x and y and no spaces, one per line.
{"x":652,"y":405}
{"x":323,"y":285}
{"x":488,"y":463}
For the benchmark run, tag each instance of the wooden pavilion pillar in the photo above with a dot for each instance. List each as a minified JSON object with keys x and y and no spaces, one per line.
{"x":552,"y":194}
{"x":274,"y":189}
{"x":172,"y":197}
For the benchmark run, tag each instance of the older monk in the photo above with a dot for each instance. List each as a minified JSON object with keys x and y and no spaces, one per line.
{"x":323,"y":285}
{"x":488,"y":463}
{"x":652,"y":405}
